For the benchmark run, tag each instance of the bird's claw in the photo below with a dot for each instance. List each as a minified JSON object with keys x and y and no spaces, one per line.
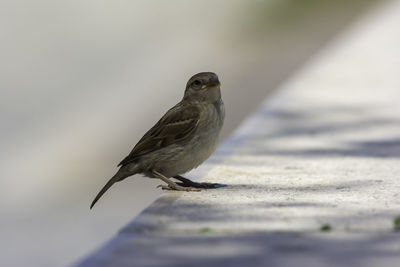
{"x":164,"y":187}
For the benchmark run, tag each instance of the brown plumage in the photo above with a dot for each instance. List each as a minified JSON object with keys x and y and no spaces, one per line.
{"x":174,"y":126}
{"x":181,"y":140}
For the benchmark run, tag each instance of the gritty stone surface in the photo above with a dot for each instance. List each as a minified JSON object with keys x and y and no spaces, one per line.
{"x":324,"y":151}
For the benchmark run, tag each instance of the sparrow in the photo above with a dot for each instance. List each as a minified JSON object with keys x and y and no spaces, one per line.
{"x":180,"y":141}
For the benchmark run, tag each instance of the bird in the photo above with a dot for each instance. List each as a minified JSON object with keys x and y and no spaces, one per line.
{"x":180,"y":141}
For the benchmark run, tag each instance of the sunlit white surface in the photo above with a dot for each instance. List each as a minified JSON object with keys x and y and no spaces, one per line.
{"x":80,"y":82}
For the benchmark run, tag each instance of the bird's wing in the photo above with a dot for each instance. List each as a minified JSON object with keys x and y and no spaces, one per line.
{"x":175,"y":126}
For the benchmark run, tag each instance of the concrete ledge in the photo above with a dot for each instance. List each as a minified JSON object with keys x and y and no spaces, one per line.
{"x":325,"y":150}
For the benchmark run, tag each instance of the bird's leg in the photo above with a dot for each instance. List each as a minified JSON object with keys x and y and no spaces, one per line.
{"x":188,"y":183}
{"x":172,"y":185}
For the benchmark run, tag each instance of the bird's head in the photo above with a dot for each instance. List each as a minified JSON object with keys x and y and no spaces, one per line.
{"x":203,"y":86}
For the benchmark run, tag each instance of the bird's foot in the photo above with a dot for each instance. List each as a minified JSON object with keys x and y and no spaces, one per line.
{"x":179,"y":188}
{"x":173,"y":186}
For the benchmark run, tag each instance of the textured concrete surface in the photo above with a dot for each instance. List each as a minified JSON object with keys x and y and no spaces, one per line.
{"x":325,"y":150}
{"x":82,"y":81}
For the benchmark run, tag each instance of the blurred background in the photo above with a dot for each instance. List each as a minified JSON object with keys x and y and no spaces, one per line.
{"x":82,"y":81}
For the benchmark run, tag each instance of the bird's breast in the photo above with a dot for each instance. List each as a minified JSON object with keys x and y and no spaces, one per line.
{"x":181,"y":158}
{"x":207,"y":133}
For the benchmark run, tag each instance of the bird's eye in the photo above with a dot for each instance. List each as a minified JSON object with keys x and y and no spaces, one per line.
{"x":196,"y":83}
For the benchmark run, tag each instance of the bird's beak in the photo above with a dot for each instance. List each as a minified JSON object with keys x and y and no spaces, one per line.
{"x":211,"y":84}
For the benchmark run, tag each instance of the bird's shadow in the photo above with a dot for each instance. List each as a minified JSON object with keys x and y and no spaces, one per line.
{"x":202,"y":185}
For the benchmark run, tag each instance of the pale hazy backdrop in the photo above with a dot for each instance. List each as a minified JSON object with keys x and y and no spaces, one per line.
{"x":82,"y":81}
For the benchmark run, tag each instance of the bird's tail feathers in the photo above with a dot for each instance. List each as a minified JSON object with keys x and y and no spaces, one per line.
{"x":119,"y":176}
